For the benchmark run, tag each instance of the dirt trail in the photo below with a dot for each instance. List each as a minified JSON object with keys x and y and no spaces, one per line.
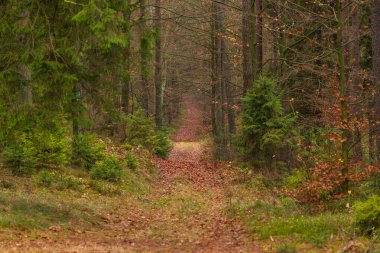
{"x":186,"y":159}
{"x":188,"y":162}
{"x":184,"y":213}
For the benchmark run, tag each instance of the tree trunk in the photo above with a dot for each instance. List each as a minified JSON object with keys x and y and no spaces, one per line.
{"x":246,"y":39}
{"x":126,"y":89}
{"x":158,"y":66}
{"x":26,"y":75}
{"x":214,"y":79}
{"x":357,"y":107}
{"x":375,"y":18}
{"x":219,"y":86}
{"x":228,"y":91}
{"x":226,"y":76}
{"x":144,"y":60}
{"x":252,"y":25}
{"x":24,"y":69}
{"x":126,"y":76}
{"x":76,"y":109}
{"x":221,"y":71}
{"x":342,"y":88}
{"x":259,"y":35}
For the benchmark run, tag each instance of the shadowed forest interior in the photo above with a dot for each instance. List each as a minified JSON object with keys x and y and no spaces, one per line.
{"x":190,"y":126}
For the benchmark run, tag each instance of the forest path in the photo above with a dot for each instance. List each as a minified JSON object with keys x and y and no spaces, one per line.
{"x":185,"y":211}
{"x":202,"y":185}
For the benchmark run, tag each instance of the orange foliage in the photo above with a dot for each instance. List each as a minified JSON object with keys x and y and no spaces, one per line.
{"x":326,"y":180}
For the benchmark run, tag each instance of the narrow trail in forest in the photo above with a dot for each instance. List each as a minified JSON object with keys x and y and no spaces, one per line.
{"x":190,"y":162}
{"x":185,"y":212}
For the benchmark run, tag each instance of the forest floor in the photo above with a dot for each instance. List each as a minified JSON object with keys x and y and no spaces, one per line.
{"x":184,"y":211}
{"x":188,"y":203}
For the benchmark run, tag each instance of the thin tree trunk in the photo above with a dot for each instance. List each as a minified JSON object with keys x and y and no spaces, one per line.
{"x":126,"y":89}
{"x":221,"y":69}
{"x":375,"y":18}
{"x":357,"y":107}
{"x":259,"y":35}
{"x":26,"y":74}
{"x":342,"y":88}
{"x":214,"y":79}
{"x":252,"y":25}
{"x":219,"y":110}
{"x":226,"y":76}
{"x":229,"y":95}
{"x":164,"y":84}
{"x":144,"y":60}
{"x":346,"y":46}
{"x":246,"y":39}
{"x":24,"y":69}
{"x":158,"y":66}
{"x":126,"y":80}
{"x":76,"y":110}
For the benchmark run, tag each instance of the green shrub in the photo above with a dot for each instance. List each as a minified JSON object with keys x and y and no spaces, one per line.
{"x":40,"y":149}
{"x":161,"y":144}
{"x":141,"y":131}
{"x":367,"y":215}
{"x":109,"y":169}
{"x":130,"y":160}
{"x":45,"y":178}
{"x":87,"y":150}
{"x":265,"y":127}
{"x":52,"y":149}
{"x":57,"y":181}
{"x":295,"y":179}
{"x":20,"y":156}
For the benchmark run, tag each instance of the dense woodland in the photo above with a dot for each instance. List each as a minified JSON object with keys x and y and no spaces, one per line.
{"x":105,"y":97}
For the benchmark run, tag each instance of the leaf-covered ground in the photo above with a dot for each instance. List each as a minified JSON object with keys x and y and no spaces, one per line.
{"x":185,"y":210}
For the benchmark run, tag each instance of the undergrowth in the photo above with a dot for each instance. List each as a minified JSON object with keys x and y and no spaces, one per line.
{"x":42,"y":210}
{"x":74,"y":196}
{"x":287,"y":224}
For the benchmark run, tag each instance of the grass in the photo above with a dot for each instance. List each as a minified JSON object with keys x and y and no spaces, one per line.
{"x":285,"y":219}
{"x":283,"y":222}
{"x":71,"y":199}
{"x":137,"y":184}
{"x":314,"y":229}
{"x":41,"y":210}
{"x":184,"y":206}
{"x":184,"y":201}
{"x":66,"y":198}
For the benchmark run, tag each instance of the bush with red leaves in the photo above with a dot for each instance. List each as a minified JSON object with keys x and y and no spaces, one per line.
{"x":326,"y":181}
